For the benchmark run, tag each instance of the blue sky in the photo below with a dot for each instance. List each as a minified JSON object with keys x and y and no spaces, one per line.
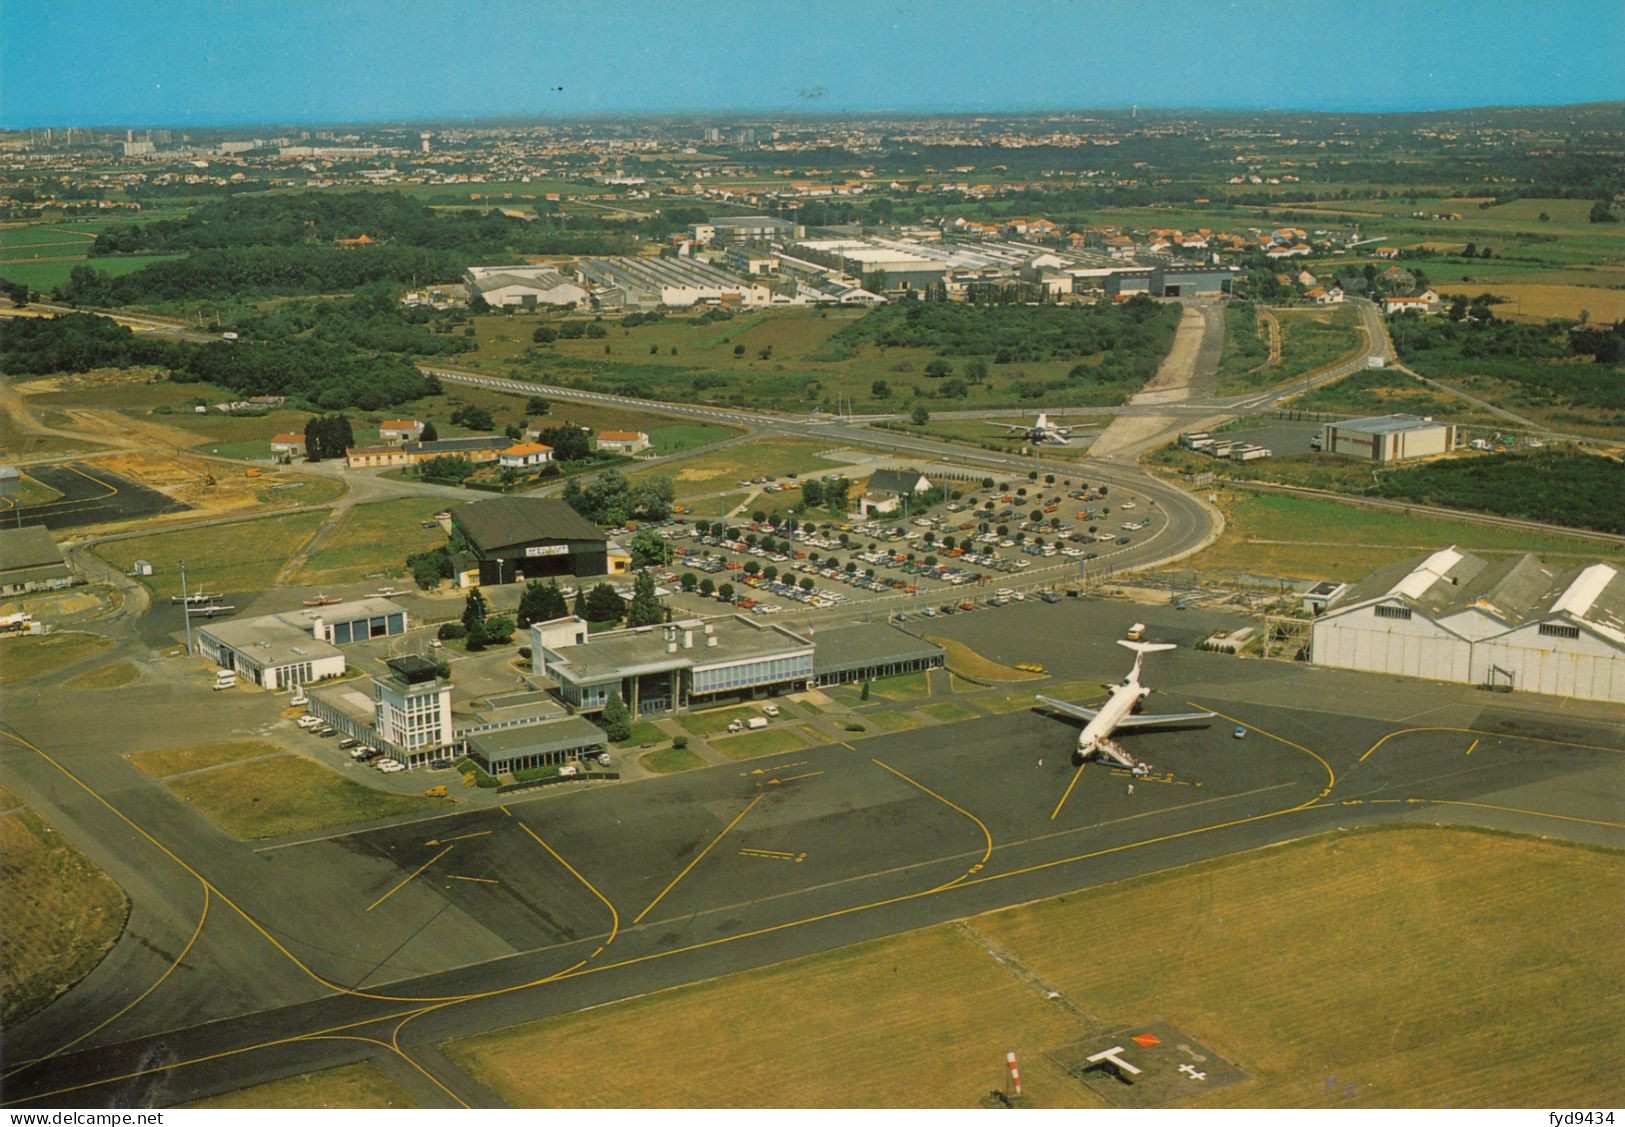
{"x":160,"y":62}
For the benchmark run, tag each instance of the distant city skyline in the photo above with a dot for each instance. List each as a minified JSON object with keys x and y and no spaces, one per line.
{"x":168,"y":64}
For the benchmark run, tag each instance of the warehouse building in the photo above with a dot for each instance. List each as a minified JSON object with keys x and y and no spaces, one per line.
{"x":1192,"y":280}
{"x":676,"y":666}
{"x":1513,"y":624}
{"x":523,"y":286}
{"x":676,"y":282}
{"x":31,"y":561}
{"x":904,"y":267}
{"x":730,"y":229}
{"x":280,"y":651}
{"x":865,"y":651}
{"x":511,"y":539}
{"x":1389,"y":438}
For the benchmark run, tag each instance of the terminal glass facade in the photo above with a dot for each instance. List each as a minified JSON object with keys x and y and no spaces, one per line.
{"x":748,"y":674}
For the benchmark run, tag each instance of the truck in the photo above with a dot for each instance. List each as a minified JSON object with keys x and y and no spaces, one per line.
{"x":228,"y":336}
{"x":1136,"y":632}
{"x":225,"y":679}
{"x":756,"y":723}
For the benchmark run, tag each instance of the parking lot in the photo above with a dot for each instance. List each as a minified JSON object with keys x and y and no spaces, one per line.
{"x":978,"y":547}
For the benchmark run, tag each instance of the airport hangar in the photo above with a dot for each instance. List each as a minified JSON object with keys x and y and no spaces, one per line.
{"x":1389,"y":438}
{"x":31,"y":561}
{"x":1512,"y":624}
{"x":696,"y":662}
{"x":510,"y":539}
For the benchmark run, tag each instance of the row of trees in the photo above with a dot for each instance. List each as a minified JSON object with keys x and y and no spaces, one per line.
{"x":611,"y":499}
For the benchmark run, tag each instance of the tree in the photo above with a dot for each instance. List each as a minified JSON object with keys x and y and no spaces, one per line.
{"x":497,"y":629}
{"x":920,"y":416}
{"x":645,"y":609}
{"x":707,"y":588}
{"x":541,"y":602}
{"x":615,"y":719}
{"x":739,"y":350}
{"x":1600,"y":213}
{"x":579,"y":609}
{"x":726,"y":592}
{"x":475,"y":608}
{"x":880,"y":389}
{"x":812,"y":492}
{"x":429,"y":433}
{"x":545,"y":334}
{"x":1470,"y":251}
{"x":976,"y":371}
{"x":689,"y":581}
{"x":604,"y":604}
{"x":937,"y":369}
{"x":650,"y":549}
{"x":537,"y":405}
{"x":474,"y":418}
{"x":1458,"y":308}
{"x":445,"y":467}
{"x":328,"y":436}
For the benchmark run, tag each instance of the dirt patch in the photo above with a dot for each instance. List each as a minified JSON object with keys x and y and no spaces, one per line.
{"x":210,"y":488}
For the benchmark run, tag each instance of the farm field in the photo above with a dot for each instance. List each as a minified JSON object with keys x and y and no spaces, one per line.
{"x":1459,"y":1012}
{"x":1304,"y":538}
{"x":372,"y":539}
{"x":1390,"y":391}
{"x":285,"y":795}
{"x":244,"y":558}
{"x":1537,"y":301}
{"x":62,"y":912}
{"x":44,"y":274}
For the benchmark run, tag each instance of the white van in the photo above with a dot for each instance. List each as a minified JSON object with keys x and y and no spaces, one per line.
{"x":756,"y":723}
{"x":225,"y":679}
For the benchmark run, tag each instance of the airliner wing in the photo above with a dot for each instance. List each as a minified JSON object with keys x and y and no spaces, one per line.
{"x":1007,"y":426}
{"x":1165,"y":718}
{"x":1077,"y":711}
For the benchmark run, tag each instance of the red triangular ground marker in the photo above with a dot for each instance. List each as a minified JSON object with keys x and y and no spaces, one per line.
{"x":1145,"y":1040}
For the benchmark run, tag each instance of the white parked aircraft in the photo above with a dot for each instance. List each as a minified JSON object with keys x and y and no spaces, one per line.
{"x":1121,"y":711}
{"x":1041,"y":431}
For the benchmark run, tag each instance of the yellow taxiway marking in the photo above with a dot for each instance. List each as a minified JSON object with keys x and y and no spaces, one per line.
{"x":846,"y":745}
{"x":1470,"y":749}
{"x":476,"y":880}
{"x":1076,"y":775}
{"x":773,"y":855}
{"x":1331,"y":776}
{"x":409,"y":879}
{"x":461,"y":837}
{"x":697,"y":858}
{"x":1478,"y":732}
{"x":1517,"y":810}
{"x":790,"y":779}
{"x":981,"y":825}
{"x":770,"y":770}
{"x":506,"y":811}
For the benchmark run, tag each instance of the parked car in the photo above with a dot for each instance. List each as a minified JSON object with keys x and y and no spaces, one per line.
{"x":1240,"y":733}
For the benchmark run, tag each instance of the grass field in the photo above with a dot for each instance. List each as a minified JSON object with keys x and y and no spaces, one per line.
{"x":966,"y":661}
{"x":1310,"y":338}
{"x":62,"y":914}
{"x":21,"y":658}
{"x":901,"y":686}
{"x":173,"y":761}
{"x":1305,"y":538}
{"x":1389,"y":391}
{"x":286,"y":795}
{"x":948,"y":712}
{"x":44,"y":274}
{"x":750,"y":745}
{"x":1444,"y":996}
{"x":238,"y":557}
{"x":643,"y":732}
{"x":113,"y":676}
{"x":715,"y":720}
{"x":670,"y":760}
{"x":370,"y":539}
{"x":360,"y":1085}
{"x":978,"y":432}
{"x":707,"y":473}
{"x":1539,"y":301}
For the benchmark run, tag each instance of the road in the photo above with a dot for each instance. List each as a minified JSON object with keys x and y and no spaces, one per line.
{"x":250,"y":961}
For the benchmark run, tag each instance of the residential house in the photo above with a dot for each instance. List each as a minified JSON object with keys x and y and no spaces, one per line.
{"x":289,"y":445}
{"x":623,"y":441}
{"x":524,"y":456}
{"x":1386,"y":252}
{"x":399,"y":430}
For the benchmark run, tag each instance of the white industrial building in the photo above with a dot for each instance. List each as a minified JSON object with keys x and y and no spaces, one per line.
{"x":1389,"y":438}
{"x":280,"y":651}
{"x":523,"y":286}
{"x":1513,"y":624}
{"x":677,"y":282}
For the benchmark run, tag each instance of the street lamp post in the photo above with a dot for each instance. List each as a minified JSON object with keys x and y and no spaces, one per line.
{"x":186,"y":609}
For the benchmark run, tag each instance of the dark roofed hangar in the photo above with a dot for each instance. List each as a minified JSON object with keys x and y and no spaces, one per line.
{"x":515,"y":538}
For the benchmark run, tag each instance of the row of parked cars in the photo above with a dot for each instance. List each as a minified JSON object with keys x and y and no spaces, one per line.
{"x":359,"y":751}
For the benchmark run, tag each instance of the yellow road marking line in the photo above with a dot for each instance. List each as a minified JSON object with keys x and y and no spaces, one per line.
{"x":1481,"y":732}
{"x":697,"y":858}
{"x":477,"y":880}
{"x":460,"y":837}
{"x":1516,"y":810}
{"x":749,"y":852}
{"x":790,"y":779}
{"x":506,"y":811}
{"x":409,"y":879}
{"x":1331,"y":776}
{"x":1470,"y":749}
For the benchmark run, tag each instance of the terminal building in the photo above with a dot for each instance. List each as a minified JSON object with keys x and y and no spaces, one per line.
{"x":675,"y":666}
{"x":1389,"y":438}
{"x":511,"y":539}
{"x":406,"y":714}
{"x":1513,"y":624}
{"x":696,"y":663}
